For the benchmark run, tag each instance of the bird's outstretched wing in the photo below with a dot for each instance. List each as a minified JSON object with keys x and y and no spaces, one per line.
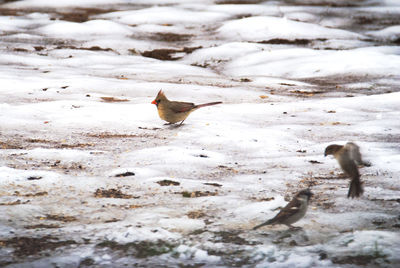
{"x":354,"y":152}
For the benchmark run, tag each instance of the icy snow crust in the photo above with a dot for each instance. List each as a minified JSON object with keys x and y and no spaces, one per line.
{"x":90,"y":176}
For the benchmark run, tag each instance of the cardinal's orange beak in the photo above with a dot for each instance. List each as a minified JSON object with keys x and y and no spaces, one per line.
{"x":154,"y":102}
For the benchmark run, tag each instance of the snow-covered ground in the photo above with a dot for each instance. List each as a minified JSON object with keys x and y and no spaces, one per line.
{"x":90,"y":175}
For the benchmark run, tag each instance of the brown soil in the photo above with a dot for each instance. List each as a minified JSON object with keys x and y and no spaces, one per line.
{"x":111,"y":193}
{"x":26,"y":246}
{"x":168,"y":183}
{"x":167,"y":53}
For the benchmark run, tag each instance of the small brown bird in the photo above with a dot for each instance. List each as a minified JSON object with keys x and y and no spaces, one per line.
{"x":348,"y":156}
{"x":175,"y":111}
{"x":292,"y":212}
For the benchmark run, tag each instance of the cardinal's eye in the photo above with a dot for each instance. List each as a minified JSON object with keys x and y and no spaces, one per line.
{"x":158,"y":101}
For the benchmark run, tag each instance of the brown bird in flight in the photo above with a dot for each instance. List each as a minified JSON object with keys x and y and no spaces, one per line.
{"x":175,"y":111}
{"x":292,"y":212}
{"x":348,"y":157}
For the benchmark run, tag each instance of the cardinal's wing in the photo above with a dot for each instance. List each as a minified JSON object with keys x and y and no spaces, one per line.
{"x":181,"y":107}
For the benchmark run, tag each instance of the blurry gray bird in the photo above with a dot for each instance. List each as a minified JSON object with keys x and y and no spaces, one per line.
{"x":292,"y":212}
{"x":348,"y":157}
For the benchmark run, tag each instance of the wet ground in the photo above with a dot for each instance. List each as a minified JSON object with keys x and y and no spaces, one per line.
{"x":90,"y":195}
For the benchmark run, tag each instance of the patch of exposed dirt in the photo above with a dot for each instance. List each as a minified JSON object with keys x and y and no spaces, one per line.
{"x":327,"y":3}
{"x":197,"y":193}
{"x":148,"y":249}
{"x":213,"y":184}
{"x":10,"y":12}
{"x":16,"y":193}
{"x":233,"y":254}
{"x":42,"y":226}
{"x":111,"y":193}
{"x":34,"y":178}
{"x":62,"y":218}
{"x":73,"y":15}
{"x":26,"y":246}
{"x":263,"y":199}
{"x":386,"y":200}
{"x":154,"y":128}
{"x":9,"y":145}
{"x":167,"y":53}
{"x":226,"y":171}
{"x":305,"y":93}
{"x":337,"y":84}
{"x":20,"y":50}
{"x":108,"y":135}
{"x":202,"y":156}
{"x":196,"y":214}
{"x":59,"y":144}
{"x":79,"y":14}
{"x":112,"y":99}
{"x":387,"y":138}
{"x":315,"y":162}
{"x":112,"y":220}
{"x":87,"y":262}
{"x":14,"y":203}
{"x":168,"y":183}
{"x":141,"y":249}
{"x":39,"y":48}
{"x":92,"y":48}
{"x":238,"y":2}
{"x":298,"y":42}
{"x":231,"y":237}
{"x":369,"y":21}
{"x":170,"y":37}
{"x":28,"y":163}
{"x":363,"y":260}
{"x":234,"y":257}
{"x":125,"y":174}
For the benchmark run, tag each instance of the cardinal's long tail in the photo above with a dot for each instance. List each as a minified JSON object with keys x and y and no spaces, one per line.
{"x":263,"y":224}
{"x":208,"y":104}
{"x":356,"y":188}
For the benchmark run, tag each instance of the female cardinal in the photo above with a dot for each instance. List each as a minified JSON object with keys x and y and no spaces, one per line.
{"x":292,"y":212}
{"x":175,"y":111}
{"x":349,"y":156}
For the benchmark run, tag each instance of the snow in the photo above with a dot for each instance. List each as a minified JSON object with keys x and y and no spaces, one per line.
{"x":77,"y":123}
{"x":265,"y":28}
{"x":59,"y":4}
{"x":299,"y":63}
{"x":186,"y":252}
{"x":82,"y":30}
{"x":390,"y":33}
{"x":164,"y":15}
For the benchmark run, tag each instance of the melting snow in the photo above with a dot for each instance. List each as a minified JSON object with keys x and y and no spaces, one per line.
{"x":90,"y":176}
